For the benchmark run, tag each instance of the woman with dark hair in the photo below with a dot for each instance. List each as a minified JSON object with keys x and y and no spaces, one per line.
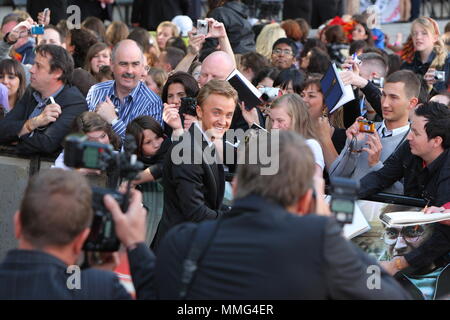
{"x":315,"y":61}
{"x":178,"y":85}
{"x":330,"y":127}
{"x":290,"y":81}
{"x":80,"y":42}
{"x":97,"y":56}
{"x":266,"y":77}
{"x":12,"y":75}
{"x":362,"y":32}
{"x":152,"y":146}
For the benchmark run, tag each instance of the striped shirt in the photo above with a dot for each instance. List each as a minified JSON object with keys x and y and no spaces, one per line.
{"x":140,"y":102}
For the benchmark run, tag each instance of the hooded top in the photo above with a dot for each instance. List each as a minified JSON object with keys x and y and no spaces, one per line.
{"x":234,"y":16}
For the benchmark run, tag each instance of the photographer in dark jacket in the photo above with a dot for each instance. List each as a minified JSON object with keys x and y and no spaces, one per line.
{"x":424,"y":163}
{"x":43,"y":117}
{"x":51,"y":226}
{"x":233,"y":14}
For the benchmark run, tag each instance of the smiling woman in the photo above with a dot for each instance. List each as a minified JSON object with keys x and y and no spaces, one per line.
{"x":98,"y":55}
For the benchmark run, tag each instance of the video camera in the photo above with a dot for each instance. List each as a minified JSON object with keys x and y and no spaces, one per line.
{"x":344,"y":193}
{"x":81,"y":153}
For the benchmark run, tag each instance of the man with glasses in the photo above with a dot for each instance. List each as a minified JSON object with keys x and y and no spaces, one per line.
{"x":121,"y":100}
{"x":284,"y":51}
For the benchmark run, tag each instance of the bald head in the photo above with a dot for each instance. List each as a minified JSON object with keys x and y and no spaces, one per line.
{"x":218,"y":65}
{"x":126,"y":46}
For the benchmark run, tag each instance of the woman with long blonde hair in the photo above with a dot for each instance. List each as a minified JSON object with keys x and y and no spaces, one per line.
{"x":430,"y":55}
{"x":269,"y":34}
{"x":290,"y":112}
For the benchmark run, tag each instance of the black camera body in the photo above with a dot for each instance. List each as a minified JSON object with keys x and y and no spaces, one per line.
{"x":188,"y":106}
{"x":81,"y":153}
{"x":344,"y":193}
{"x":102,"y":236}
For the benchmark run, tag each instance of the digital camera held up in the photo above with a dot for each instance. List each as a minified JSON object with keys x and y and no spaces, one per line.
{"x":366,"y":126}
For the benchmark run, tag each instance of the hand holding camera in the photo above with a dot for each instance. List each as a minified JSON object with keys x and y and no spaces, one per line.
{"x":195,"y":42}
{"x":171,"y":116}
{"x":433,"y":76}
{"x":22,"y":30}
{"x":352,"y":78}
{"x":352,"y":64}
{"x":354,"y":130}
{"x":374,"y":149}
{"x":215,"y":29}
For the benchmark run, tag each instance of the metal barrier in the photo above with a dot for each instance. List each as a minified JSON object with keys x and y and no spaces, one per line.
{"x":15,"y":171}
{"x":396,"y":199}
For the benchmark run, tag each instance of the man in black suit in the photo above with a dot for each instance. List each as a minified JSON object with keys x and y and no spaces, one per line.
{"x":51,"y":226}
{"x":266,"y":247}
{"x":193,"y":183}
{"x":43,"y":117}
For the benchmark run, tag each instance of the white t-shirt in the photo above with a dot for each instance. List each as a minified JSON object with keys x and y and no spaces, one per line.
{"x":317,"y":152}
{"x":59,"y":162}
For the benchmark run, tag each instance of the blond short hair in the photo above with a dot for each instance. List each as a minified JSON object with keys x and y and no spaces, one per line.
{"x":219,"y":87}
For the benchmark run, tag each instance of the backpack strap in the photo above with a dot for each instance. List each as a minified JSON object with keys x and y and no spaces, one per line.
{"x":202,"y":239}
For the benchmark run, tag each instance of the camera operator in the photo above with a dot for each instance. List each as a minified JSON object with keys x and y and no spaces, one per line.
{"x":366,"y":152}
{"x":51,"y":226}
{"x":267,"y":247}
{"x":423,"y":162}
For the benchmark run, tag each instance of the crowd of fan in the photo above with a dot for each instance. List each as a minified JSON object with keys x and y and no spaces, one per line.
{"x":106,"y":82}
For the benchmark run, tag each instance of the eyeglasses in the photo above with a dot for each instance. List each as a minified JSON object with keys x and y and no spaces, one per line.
{"x":410,"y":234}
{"x":282,"y":51}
